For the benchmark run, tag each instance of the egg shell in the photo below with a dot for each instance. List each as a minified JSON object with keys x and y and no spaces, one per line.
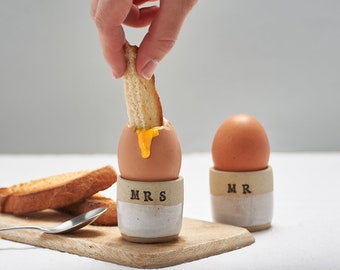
{"x":240,"y":144}
{"x":164,"y":162}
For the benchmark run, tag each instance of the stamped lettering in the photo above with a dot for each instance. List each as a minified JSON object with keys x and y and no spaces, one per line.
{"x":240,"y":183}
{"x":233,"y":188}
{"x":163,"y":193}
{"x":147,"y":195}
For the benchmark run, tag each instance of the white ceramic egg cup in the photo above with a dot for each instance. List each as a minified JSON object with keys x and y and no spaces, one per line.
{"x":242,"y":199}
{"x":150,"y":212}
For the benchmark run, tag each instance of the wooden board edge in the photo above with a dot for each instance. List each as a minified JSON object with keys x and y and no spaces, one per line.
{"x":80,"y":247}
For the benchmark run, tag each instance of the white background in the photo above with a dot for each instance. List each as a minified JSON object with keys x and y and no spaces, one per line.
{"x":276,"y":60}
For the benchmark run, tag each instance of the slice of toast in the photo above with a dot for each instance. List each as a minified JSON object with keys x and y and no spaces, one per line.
{"x":55,"y":191}
{"x":109,"y":218}
{"x":142,"y":101}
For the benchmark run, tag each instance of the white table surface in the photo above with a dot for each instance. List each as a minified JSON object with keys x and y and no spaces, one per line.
{"x":306,"y":224}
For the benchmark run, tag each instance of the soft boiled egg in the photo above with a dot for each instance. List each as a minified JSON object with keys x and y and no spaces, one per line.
{"x":149,"y":155}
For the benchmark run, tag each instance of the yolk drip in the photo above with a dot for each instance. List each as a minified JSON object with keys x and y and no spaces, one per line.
{"x":145,"y":137}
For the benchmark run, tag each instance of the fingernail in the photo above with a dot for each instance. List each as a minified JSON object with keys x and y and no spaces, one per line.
{"x":149,"y":69}
{"x":114,"y":74}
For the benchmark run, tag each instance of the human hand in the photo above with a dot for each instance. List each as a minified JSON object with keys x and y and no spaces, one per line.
{"x":165,"y":22}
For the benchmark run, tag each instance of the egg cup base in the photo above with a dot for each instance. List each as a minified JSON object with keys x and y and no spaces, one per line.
{"x":145,"y":240}
{"x":258,"y":227}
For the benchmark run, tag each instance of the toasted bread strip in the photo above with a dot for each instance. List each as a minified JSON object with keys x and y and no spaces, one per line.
{"x":55,"y":191}
{"x":109,"y":218}
{"x":142,"y":101}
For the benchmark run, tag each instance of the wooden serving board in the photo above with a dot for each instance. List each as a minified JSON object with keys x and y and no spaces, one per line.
{"x":198,"y":239}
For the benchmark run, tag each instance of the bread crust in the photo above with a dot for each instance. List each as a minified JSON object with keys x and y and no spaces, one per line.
{"x":108,"y":218}
{"x":55,"y":191}
{"x":142,"y":100}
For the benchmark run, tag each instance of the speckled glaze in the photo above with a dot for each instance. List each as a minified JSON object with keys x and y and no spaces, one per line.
{"x":150,"y":212}
{"x":242,"y":199}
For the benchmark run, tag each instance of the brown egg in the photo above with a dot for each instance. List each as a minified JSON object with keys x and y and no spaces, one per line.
{"x":165,"y":158}
{"x":240,"y":144}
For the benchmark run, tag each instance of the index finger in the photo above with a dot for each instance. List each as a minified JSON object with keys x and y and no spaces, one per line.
{"x":108,"y":16}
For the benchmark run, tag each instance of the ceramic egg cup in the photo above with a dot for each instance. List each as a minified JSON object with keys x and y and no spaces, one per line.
{"x":242,"y":199}
{"x":150,"y":212}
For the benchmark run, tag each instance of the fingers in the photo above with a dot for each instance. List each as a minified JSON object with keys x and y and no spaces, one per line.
{"x":165,"y":22}
{"x":162,"y":35}
{"x":108,"y":16}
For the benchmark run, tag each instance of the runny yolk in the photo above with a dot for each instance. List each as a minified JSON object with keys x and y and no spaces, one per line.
{"x":145,"y":137}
